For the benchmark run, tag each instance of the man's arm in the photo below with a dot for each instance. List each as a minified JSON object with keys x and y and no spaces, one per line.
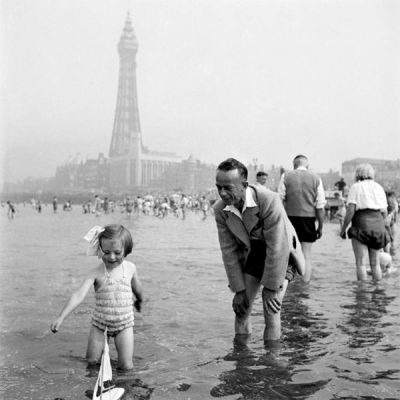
{"x":319,"y":207}
{"x":282,"y":188}
{"x":320,"y":219}
{"x":276,"y":238}
{"x":230,"y":254}
{"x":233,"y":266}
{"x":320,"y":200}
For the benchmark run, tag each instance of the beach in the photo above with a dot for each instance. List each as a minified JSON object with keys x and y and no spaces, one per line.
{"x":340,"y":338}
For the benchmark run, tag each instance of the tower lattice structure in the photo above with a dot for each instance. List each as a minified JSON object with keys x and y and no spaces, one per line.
{"x":126,"y":142}
{"x":132,"y":165}
{"x":126,"y":131}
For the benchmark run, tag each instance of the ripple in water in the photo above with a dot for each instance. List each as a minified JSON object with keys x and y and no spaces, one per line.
{"x":340,"y":338}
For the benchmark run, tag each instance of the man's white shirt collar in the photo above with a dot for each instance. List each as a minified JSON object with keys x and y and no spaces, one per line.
{"x":248,"y":203}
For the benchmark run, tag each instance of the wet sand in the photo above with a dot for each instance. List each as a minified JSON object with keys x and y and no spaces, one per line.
{"x":340,"y":338}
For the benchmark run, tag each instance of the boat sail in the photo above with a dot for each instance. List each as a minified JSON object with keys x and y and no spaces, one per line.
{"x":105,"y":388}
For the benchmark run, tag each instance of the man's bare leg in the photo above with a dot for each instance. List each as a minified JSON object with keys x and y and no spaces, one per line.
{"x":272,"y":329}
{"x":243,"y":324}
{"x":306,"y":248}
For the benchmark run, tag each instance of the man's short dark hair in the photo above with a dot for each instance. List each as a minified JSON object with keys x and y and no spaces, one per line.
{"x":300,"y":159}
{"x":300,"y":156}
{"x":230,"y":164}
{"x":261,"y":173}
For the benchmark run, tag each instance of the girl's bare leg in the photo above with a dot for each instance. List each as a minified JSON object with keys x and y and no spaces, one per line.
{"x":95,"y":345}
{"x":124,"y":343}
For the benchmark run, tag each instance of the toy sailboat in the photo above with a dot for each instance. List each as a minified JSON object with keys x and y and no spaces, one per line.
{"x":105,"y":388}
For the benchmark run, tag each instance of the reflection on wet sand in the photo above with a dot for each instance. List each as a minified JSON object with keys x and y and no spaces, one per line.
{"x":339,"y":340}
{"x":267,"y":374}
{"x":364,"y":320}
{"x":366,"y":330}
{"x":254,"y":377}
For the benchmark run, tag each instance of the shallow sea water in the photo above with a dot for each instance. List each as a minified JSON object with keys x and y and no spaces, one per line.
{"x":341,"y":339}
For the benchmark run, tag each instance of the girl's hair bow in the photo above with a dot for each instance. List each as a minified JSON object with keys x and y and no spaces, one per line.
{"x":92,"y":237}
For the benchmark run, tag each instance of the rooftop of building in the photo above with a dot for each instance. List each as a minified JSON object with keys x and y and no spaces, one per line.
{"x":361,"y":160}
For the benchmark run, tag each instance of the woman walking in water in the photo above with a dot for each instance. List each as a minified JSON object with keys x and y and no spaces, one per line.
{"x":366,"y":211}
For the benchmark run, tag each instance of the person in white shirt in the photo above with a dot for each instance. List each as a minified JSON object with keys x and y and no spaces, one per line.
{"x":366,"y":211}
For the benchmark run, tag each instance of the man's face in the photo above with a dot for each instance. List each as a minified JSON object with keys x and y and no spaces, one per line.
{"x":262,"y":180}
{"x":231,"y":187}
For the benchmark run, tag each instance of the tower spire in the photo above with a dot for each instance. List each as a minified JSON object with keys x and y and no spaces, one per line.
{"x":126,"y":137}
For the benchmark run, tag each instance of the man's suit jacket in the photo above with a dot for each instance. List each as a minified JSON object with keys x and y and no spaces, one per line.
{"x":269,"y":222}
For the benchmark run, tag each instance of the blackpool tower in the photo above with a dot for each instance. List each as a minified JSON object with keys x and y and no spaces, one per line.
{"x":131,"y":163}
{"x":126,"y":142}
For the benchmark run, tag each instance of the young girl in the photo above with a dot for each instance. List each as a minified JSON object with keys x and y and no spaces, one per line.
{"x":114,"y":280}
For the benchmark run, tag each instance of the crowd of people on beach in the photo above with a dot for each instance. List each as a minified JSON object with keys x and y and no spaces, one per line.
{"x":160,"y":205}
{"x":265,"y":237}
{"x":301,"y":191}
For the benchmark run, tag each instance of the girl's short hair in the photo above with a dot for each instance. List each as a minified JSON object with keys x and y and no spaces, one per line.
{"x":116,"y":231}
{"x":364,"y":171}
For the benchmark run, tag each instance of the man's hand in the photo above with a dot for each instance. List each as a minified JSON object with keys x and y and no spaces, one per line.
{"x":319,"y":233}
{"x":240,"y":303}
{"x":273,"y":298}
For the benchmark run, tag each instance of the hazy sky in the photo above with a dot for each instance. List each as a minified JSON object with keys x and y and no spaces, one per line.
{"x":251,"y":79}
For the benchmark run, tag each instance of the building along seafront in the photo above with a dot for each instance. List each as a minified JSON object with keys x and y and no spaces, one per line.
{"x":387,"y":172}
{"x":131,"y":166}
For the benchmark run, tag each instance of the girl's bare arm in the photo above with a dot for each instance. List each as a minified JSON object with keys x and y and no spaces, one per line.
{"x":76,"y":298}
{"x":137,"y":291}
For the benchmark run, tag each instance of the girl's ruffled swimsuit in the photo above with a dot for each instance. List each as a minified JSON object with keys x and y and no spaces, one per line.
{"x":113,"y":305}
